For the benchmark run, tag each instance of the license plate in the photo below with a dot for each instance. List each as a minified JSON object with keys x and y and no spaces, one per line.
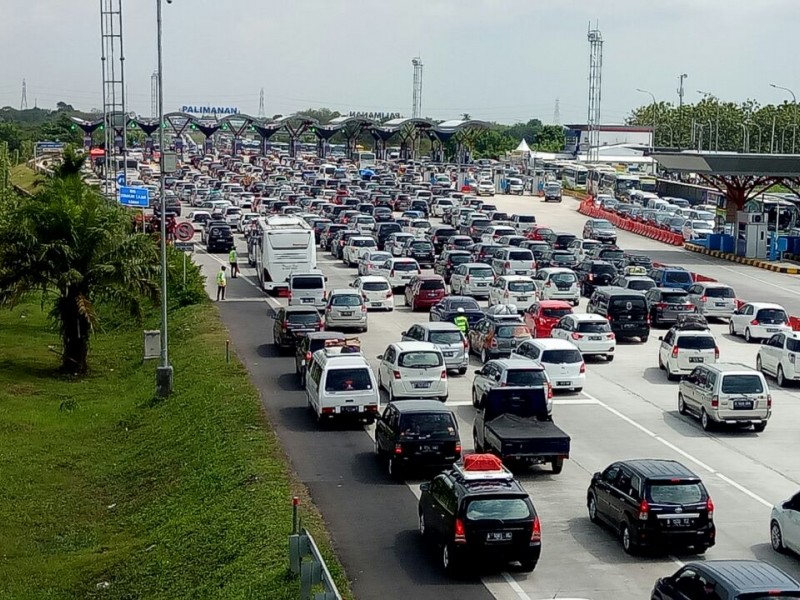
{"x":679,"y":522}
{"x":629,"y":326}
{"x":405,"y":276}
{"x":421,"y":385}
{"x":481,"y":284}
{"x":429,"y":448}
{"x":743,"y":404}
{"x":374,"y":304}
{"x":563,"y":383}
{"x":719,"y":304}
{"x":498,"y":536}
{"x":521,"y":298}
{"x":772,"y":330}
{"x":307,"y":300}
{"x":349,"y":409}
{"x":695,"y":359}
{"x":521,"y":272}
{"x":595,"y":338}
{"x":349,"y":313}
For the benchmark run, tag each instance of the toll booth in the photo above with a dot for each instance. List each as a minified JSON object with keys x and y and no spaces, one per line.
{"x":751,"y":235}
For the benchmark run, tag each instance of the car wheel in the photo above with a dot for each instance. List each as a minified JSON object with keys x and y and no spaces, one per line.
{"x":705,"y":421}
{"x":422,"y":530}
{"x":591,"y":506}
{"x":670,"y":375}
{"x":776,"y":537}
{"x":660,"y":362}
{"x":644,"y":338}
{"x":747,"y":337}
{"x":609,"y":357}
{"x":475,"y":443}
{"x":627,"y":539}
{"x":780,"y":378}
{"x":758,"y":364}
{"x":394,"y":469}
{"x":390,"y":393}
{"x":474,"y":399}
{"x":484,"y":356}
{"x":462,"y":371}
{"x":527,"y":566}
{"x":449,"y":563}
{"x":731,"y":327}
{"x":759,"y":427}
{"x":557,"y":464}
{"x":682,"y":405}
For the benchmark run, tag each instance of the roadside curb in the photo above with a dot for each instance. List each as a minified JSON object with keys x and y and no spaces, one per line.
{"x":753,"y":262}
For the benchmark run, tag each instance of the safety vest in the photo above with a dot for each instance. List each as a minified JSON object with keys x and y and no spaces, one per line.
{"x":232,"y":256}
{"x":462,"y":323}
{"x":221,"y":280}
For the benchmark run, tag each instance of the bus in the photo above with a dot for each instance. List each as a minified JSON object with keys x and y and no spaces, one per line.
{"x":365,"y":160}
{"x":574,"y":176}
{"x":594,"y":178}
{"x":284,"y":245}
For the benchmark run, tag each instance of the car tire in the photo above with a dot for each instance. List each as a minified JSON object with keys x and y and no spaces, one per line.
{"x":527,"y":566}
{"x":644,"y":338}
{"x":731,"y":328}
{"x":776,"y":537}
{"x":759,"y":427}
{"x":462,"y":371}
{"x":476,"y":445}
{"x":394,"y":469}
{"x":609,"y":358}
{"x":450,"y":564}
{"x":759,"y":366}
{"x":670,"y":374}
{"x":747,"y":337}
{"x":591,"y":508}
{"x":390,"y":393}
{"x":780,"y":378}
{"x":654,"y":319}
{"x":682,"y":410}
{"x":577,"y":390}
{"x":626,"y":537}
{"x":660,"y":362}
{"x":557,"y":464}
{"x":705,"y":421}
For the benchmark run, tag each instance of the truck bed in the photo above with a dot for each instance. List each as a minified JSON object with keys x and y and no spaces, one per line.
{"x":513,"y":436}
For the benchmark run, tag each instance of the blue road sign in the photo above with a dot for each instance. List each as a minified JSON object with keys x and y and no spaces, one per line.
{"x":121,"y":179}
{"x":134,"y":196}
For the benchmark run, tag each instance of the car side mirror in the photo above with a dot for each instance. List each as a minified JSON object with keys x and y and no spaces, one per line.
{"x":736,"y":312}
{"x":379,"y":357}
{"x":479,"y":372}
{"x":424,"y":487}
{"x":403,"y":333}
{"x":661,"y":338}
{"x":596,"y":476}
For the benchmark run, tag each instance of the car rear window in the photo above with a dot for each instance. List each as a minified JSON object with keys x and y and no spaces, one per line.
{"x":481,"y":223}
{"x":641,"y":284}
{"x":405,"y":266}
{"x":422,"y":246}
{"x":303,"y":318}
{"x":773,"y":315}
{"x":604,"y":269}
{"x":462,"y":241}
{"x":525,"y":378}
{"x":563,"y":356}
{"x":556,"y":313}
{"x":593,"y":327}
{"x":481,"y":272}
{"x":364,"y":243}
{"x":720,"y":292}
{"x":563,"y":278}
{"x":423,"y":426}
{"x":611,"y":254}
{"x":520,"y":255}
{"x":512,"y":331}
{"x":526,"y":219}
{"x":677,"y":277}
{"x":629,"y":304}
{"x":431,"y":284}
{"x":676,"y":493}
{"x":420,"y":359}
{"x":465,"y":304}
{"x":674,"y":297}
{"x":564,"y":239}
{"x":520,"y":286}
{"x":697,"y":342}
{"x":742,"y":384}
{"x":348,"y":380}
{"x":501,"y":509}
{"x":445,"y":337}
{"x":346,"y":300}
{"x":459,"y":259}
{"x":445,"y":233}
{"x":308,"y":283}
{"x":375,"y":286}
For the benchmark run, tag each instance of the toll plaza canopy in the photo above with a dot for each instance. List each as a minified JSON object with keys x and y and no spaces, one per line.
{"x":739,"y":177}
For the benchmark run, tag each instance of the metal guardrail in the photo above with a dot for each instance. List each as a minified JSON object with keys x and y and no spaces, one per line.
{"x":305,"y":560}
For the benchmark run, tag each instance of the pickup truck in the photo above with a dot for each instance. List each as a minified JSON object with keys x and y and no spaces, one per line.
{"x":513,"y":424}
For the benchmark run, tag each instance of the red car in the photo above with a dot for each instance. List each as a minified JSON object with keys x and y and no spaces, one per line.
{"x":423,"y":291}
{"x":542,"y":316}
{"x":541,"y":233}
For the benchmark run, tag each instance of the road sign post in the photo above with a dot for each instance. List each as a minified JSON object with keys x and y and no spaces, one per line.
{"x":138,"y":197}
{"x":187,"y":248}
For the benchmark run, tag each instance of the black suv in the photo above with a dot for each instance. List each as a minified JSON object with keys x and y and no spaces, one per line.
{"x":219,"y":238}
{"x":594,"y":273}
{"x":653,"y":503}
{"x":384,"y":230}
{"x":626,"y":311}
{"x":563,"y":240}
{"x":734,"y":579}
{"x":421,"y":250}
{"x":475,"y":512}
{"x":448,"y":261}
{"x":291,"y":322}
{"x":416,"y":434}
{"x":440,"y":235}
{"x":305,"y":348}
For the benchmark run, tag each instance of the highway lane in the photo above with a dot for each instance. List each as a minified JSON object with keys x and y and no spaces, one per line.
{"x":628,"y":411}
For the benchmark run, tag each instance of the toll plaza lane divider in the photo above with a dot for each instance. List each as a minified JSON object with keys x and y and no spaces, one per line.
{"x":753,"y":262}
{"x":588,"y":208}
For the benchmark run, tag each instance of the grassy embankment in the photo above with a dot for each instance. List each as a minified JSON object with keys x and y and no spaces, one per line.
{"x":23,"y":176}
{"x":108,"y":493}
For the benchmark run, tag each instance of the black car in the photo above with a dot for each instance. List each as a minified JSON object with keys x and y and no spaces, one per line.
{"x":448,"y":261}
{"x":413,"y":435}
{"x":557,"y":258}
{"x":421,"y":251}
{"x":384,"y":230}
{"x":638,"y":260}
{"x":219,"y":238}
{"x":292,"y":322}
{"x":440,"y":235}
{"x":484,"y":252}
{"x":594,"y":273}
{"x":326,"y":237}
{"x":611,"y":254}
{"x":734,"y":579}
{"x":305,"y":348}
{"x":666,"y":305}
{"x":653,"y":503}
{"x":478,"y":512}
{"x":537,"y":247}
{"x":383,"y":214}
{"x":459,"y":242}
{"x":447,"y":309}
{"x":563,"y":240}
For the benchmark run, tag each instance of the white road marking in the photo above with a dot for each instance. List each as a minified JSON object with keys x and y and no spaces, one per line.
{"x":515,"y":586}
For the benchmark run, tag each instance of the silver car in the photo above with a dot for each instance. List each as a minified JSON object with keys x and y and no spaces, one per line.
{"x":445,"y":336}
{"x":345,"y":309}
{"x":712,"y":299}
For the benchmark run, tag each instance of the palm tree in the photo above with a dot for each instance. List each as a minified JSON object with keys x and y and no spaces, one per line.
{"x":75,"y":249}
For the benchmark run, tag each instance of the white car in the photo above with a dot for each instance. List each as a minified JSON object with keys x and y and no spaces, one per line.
{"x":439,"y":205}
{"x":471,"y":279}
{"x":371,"y":260}
{"x":697,"y":230}
{"x":485,"y":188}
{"x":557,"y":283}
{"x":590,"y":333}
{"x":245,"y":220}
{"x":398,"y":271}
{"x":784,"y":525}
{"x":376,"y":292}
{"x":561,"y":360}
{"x":778,"y":357}
{"x":681,"y":350}
{"x":759,"y":321}
{"x":418,"y":227}
{"x":364,"y":223}
{"x":396,"y":241}
{"x":580,"y":248}
{"x":518,"y":290}
{"x":355,"y":247}
{"x":232,"y":215}
{"x":413,"y":370}
{"x":494,"y":232}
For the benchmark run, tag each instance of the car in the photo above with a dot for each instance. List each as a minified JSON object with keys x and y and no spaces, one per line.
{"x":485,"y":188}
{"x":371,"y":260}
{"x":448,"y":308}
{"x":557,"y":258}
{"x":724,"y":579}
{"x":561,"y":359}
{"x":484,"y":253}
{"x":398,"y":271}
{"x":694,"y":230}
{"x":424,"y":291}
{"x":340,"y":241}
{"x":542,"y":234}
{"x":552,"y":191}
{"x":556,"y":283}
{"x":685,"y":346}
{"x":537,"y":247}
{"x":712,"y":299}
{"x":305,"y":348}
{"x":667,"y":305}
{"x":543,"y":315}
{"x":591,"y":334}
{"x":292,"y":322}
{"x":198,"y":219}
{"x":610,"y":254}
{"x":440,"y":235}
{"x":445,"y":336}
{"x":459,"y":242}
{"x":219,"y":237}
{"x":413,"y":370}
{"x":471,"y":279}
{"x":493,"y":233}
{"x":581,"y":248}
{"x":418,"y":227}
{"x":601,"y":230}
{"x":626,"y":310}
{"x":726,"y":393}
{"x":384,"y":230}
{"x":638,"y":500}
{"x":638,"y":260}
{"x":346,"y":309}
{"x":518,"y":290}
{"x":671,"y":277}
{"x":497,"y":336}
{"x":511,"y":373}
{"x":635,"y":283}
{"x":593,"y":273}
{"x":777,"y":356}
{"x":376,"y":292}
{"x":514,"y":185}
{"x":561,"y":241}
{"x":356,"y":247}
{"x":513,"y":261}
{"x":479,"y":511}
{"x":448,"y":261}
{"x":328,"y":233}
{"x":396,"y":241}
{"x":758,"y":321}
{"x":512,"y":240}
{"x":784,"y":526}
{"x":416,"y":435}
{"x":440,"y":204}
{"x":421,"y":250}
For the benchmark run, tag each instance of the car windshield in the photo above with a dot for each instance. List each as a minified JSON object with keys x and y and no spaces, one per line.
{"x":445,"y":337}
{"x":678,"y":277}
{"x":346,"y":300}
{"x":773,"y":315}
{"x":307,"y":283}
{"x":742,"y":384}
{"x":563,"y":356}
{"x":348,"y":380}
{"x":593,"y":327}
{"x":676,"y":493}
{"x":563,"y":277}
{"x":405,"y":266}
{"x":720,"y":292}
{"x":303,"y":318}
{"x":421,"y":426}
{"x":375,"y":286}
{"x":696,"y":342}
{"x":513,"y":331}
{"x":641,"y":284}
{"x":420,"y":359}
{"x":520,"y":286}
{"x":502,"y":509}
{"x":525,"y":378}
{"x":479,"y":272}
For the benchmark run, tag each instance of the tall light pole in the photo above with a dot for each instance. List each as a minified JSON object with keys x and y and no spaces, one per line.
{"x":682,"y":77}
{"x":653,"y":138}
{"x":794,"y":107}
{"x":716,"y":127}
{"x":164,"y":371}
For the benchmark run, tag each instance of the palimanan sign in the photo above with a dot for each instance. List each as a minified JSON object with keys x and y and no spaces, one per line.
{"x":196,"y":109}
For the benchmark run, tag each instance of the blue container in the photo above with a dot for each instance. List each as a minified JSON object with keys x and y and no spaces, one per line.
{"x":715,"y":241}
{"x":727,"y":243}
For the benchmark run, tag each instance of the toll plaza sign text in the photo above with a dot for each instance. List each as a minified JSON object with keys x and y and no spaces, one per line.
{"x":375,"y":116}
{"x":196,"y":109}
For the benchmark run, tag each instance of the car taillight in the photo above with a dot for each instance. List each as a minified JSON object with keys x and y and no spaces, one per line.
{"x":325,"y":295}
{"x":389,"y":294}
{"x":308,"y":354}
{"x":548,"y":284}
{"x":590,"y":277}
{"x":703,"y":299}
{"x":328,"y":309}
{"x":715,"y":402}
{"x":396,"y":374}
{"x":363,"y":308}
{"x":341,"y":242}
{"x":769,"y":400}
{"x":576,"y":336}
{"x":675,"y":352}
{"x":583,"y":367}
{"x":444,"y":374}
{"x":285,"y":325}
{"x":508,"y":265}
{"x":536,"y":531}
{"x":460,"y":533}
{"x":533,"y":265}
{"x":391,"y":273}
{"x":549,"y":391}
{"x":662,"y":305}
{"x":493,"y":343}
{"x":710,"y":508}
{"x":754,"y":322}
{"x":467,"y":279}
{"x":505,"y":295}
{"x":398,"y":449}
{"x":458,"y":448}
{"x":466,"y":344}
{"x":644,"y":510}
{"x":716,"y":352}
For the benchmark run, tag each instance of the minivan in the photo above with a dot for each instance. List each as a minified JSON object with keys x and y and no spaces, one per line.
{"x":341,"y":385}
{"x":625,"y":310}
{"x":513,"y":261}
{"x":308,"y":289}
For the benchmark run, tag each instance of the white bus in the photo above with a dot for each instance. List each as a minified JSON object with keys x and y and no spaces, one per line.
{"x":284,"y":245}
{"x":595,"y":178}
{"x":365,"y":160}
{"x":574,"y":176}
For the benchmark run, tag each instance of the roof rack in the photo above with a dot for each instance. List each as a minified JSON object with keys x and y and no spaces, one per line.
{"x":483,"y":467}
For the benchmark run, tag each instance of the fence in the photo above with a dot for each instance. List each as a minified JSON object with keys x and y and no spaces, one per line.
{"x":306,"y":561}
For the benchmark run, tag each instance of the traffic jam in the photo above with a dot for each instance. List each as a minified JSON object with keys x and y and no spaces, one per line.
{"x":493,"y":346}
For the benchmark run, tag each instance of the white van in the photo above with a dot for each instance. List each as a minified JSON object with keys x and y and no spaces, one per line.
{"x":308,"y":289}
{"x":341,"y":385}
{"x":514,"y":261}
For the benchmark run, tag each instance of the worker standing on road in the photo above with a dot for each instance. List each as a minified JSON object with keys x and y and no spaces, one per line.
{"x":222,"y":282}
{"x":461,"y":321}
{"x":233,"y":259}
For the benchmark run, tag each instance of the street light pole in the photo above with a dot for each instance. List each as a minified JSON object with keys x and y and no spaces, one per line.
{"x":716,"y":128}
{"x":794,"y":111}
{"x":653,"y":138}
{"x":164,"y":371}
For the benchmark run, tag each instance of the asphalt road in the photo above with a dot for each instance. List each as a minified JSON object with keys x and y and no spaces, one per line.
{"x":628,"y":410}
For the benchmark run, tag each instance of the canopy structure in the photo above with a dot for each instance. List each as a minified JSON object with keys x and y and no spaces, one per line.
{"x":523,"y":147}
{"x":740,"y":177}
{"x":350,"y":128}
{"x":464,"y":133}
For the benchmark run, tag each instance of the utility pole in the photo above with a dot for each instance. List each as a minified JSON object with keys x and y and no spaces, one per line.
{"x":680,"y":111}
{"x":23,"y":105}
{"x":557,"y":114}
{"x":595,"y":39}
{"x":261,"y":111}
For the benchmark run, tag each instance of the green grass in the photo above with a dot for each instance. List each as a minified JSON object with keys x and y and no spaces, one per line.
{"x":106,"y":493}
{"x":25,"y":177}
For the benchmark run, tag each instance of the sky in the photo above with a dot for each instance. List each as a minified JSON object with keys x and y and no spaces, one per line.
{"x":498,"y":60}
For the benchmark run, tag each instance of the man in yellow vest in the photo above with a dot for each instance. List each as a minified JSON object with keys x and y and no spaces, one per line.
{"x":222,"y":282}
{"x":461,"y":321}
{"x":232,"y":258}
